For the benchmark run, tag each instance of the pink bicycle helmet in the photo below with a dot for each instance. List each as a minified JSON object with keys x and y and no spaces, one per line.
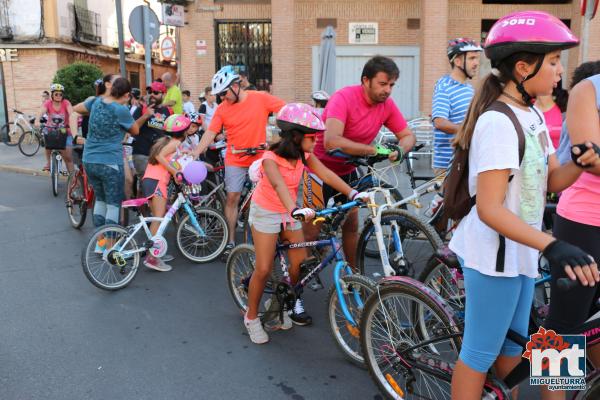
{"x":176,"y":123}
{"x":527,"y":31}
{"x":300,"y":117}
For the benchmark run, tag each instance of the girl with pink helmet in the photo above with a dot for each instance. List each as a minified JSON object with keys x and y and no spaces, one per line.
{"x":161,"y":167}
{"x":499,"y":240}
{"x":273,"y":207}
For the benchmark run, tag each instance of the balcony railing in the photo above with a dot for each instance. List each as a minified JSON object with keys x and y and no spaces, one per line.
{"x":87,"y":26}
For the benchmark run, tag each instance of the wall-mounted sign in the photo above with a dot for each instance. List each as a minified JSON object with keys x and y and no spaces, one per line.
{"x":201,"y":47}
{"x":9,"y":55}
{"x":173,"y":15}
{"x":167,"y":48}
{"x":363,"y":32}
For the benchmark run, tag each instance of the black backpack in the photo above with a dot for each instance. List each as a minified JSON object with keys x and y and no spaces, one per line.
{"x":457,"y":199}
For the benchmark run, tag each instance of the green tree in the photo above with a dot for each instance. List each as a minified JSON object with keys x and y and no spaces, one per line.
{"x":78,"y":79}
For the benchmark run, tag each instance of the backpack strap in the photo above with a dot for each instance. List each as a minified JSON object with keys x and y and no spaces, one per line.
{"x":506,"y":110}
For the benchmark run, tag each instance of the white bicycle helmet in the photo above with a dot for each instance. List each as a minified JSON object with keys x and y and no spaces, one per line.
{"x":223,"y":79}
{"x":57,"y":87}
{"x":320,"y":95}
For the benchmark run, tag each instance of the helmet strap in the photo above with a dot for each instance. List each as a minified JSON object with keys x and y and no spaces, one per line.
{"x":463,"y":68}
{"x":236,"y":94}
{"x":527,"y":98}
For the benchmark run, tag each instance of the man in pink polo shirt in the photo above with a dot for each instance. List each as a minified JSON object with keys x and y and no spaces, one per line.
{"x":353,"y":117}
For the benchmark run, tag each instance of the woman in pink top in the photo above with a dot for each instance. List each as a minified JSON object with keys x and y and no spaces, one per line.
{"x":578,"y":219}
{"x":553,"y":107}
{"x":273,"y":209}
{"x":59,"y":107}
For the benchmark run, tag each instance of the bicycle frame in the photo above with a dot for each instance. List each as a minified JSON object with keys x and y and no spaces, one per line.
{"x":164,"y":222}
{"x":340,"y":265}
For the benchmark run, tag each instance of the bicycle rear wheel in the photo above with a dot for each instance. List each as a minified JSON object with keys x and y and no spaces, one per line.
{"x":76,"y":201}
{"x":240,"y":266}
{"x":407,"y":239}
{"x":388,"y":329}
{"x":355,"y":291}
{"x":103,"y":254}
{"x":202,"y":249}
{"x":29,"y":143}
{"x":54,"y":174}
{"x":11,"y":134}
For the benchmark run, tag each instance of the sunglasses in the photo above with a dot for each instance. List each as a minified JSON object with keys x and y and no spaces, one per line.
{"x":222,"y":94}
{"x":57,"y":94}
{"x":155,"y":92}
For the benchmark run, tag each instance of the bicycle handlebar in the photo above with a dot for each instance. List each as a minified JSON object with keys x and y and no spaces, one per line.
{"x":249,"y":151}
{"x":332,"y":210}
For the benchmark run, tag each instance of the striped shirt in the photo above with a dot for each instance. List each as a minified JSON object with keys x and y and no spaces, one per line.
{"x":451,"y":101}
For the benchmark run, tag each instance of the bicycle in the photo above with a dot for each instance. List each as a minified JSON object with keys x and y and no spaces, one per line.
{"x":201,"y":236}
{"x":345,"y":299}
{"x":407,"y":362}
{"x":80,"y":194}
{"x":31,"y":141}
{"x":11,"y":133}
{"x":404,"y":241}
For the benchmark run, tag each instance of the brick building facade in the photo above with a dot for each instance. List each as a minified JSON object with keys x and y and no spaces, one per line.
{"x":296,"y":26}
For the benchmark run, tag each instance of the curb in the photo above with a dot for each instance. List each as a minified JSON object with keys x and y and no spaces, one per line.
{"x":21,"y":170}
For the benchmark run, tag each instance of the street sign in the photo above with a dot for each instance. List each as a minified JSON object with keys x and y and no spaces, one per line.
{"x":167,"y":48}
{"x":173,"y":14}
{"x":363,"y":32}
{"x":136,"y":25}
{"x":201,"y":47}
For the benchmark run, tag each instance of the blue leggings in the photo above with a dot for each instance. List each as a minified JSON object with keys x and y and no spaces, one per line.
{"x":108,"y":182}
{"x":493,"y":305}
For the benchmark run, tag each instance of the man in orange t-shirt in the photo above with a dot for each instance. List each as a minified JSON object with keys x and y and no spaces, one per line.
{"x":244,"y":116}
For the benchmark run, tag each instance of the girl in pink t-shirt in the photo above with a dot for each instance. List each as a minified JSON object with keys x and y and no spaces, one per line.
{"x":273,"y":210}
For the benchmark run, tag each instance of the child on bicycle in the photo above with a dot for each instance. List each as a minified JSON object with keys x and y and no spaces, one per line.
{"x":273,"y":210}
{"x":158,"y":173}
{"x":499,"y":240}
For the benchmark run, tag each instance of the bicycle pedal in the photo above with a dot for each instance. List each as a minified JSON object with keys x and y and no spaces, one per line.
{"x":316,"y":284}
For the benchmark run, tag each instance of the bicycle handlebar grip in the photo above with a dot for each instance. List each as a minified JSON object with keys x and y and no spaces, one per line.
{"x":565,"y":284}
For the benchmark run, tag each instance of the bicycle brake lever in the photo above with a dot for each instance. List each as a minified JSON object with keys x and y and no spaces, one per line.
{"x":318,"y":219}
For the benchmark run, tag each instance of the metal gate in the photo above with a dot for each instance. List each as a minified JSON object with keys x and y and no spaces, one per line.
{"x":246,"y":45}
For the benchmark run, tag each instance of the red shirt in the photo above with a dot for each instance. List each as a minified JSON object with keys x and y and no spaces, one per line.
{"x":362,"y":121}
{"x":62,"y":112}
{"x":245,"y":124}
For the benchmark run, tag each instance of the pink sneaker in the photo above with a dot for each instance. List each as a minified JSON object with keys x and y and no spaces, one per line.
{"x":156,"y":264}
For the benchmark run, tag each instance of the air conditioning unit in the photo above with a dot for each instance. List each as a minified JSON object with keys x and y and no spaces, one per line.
{"x":6,"y":33}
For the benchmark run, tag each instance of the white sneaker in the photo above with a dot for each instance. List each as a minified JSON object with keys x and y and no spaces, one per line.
{"x":255,"y":330}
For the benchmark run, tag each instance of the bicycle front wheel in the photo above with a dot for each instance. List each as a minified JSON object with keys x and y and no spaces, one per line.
{"x":202,"y":248}
{"x":76,"y":201}
{"x":355,"y":289}
{"x":54,"y":174}
{"x":29,"y":144}
{"x":388,"y":330}
{"x":11,"y":134}
{"x":105,"y":260}
{"x":409,"y":242}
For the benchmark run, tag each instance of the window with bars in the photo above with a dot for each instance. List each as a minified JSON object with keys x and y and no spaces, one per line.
{"x":87,"y":26}
{"x":246,"y":45}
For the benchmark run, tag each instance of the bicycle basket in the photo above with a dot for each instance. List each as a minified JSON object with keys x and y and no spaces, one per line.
{"x":56,"y":138}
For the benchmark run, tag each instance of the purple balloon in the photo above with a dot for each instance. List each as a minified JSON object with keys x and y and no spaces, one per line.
{"x":195,"y":172}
